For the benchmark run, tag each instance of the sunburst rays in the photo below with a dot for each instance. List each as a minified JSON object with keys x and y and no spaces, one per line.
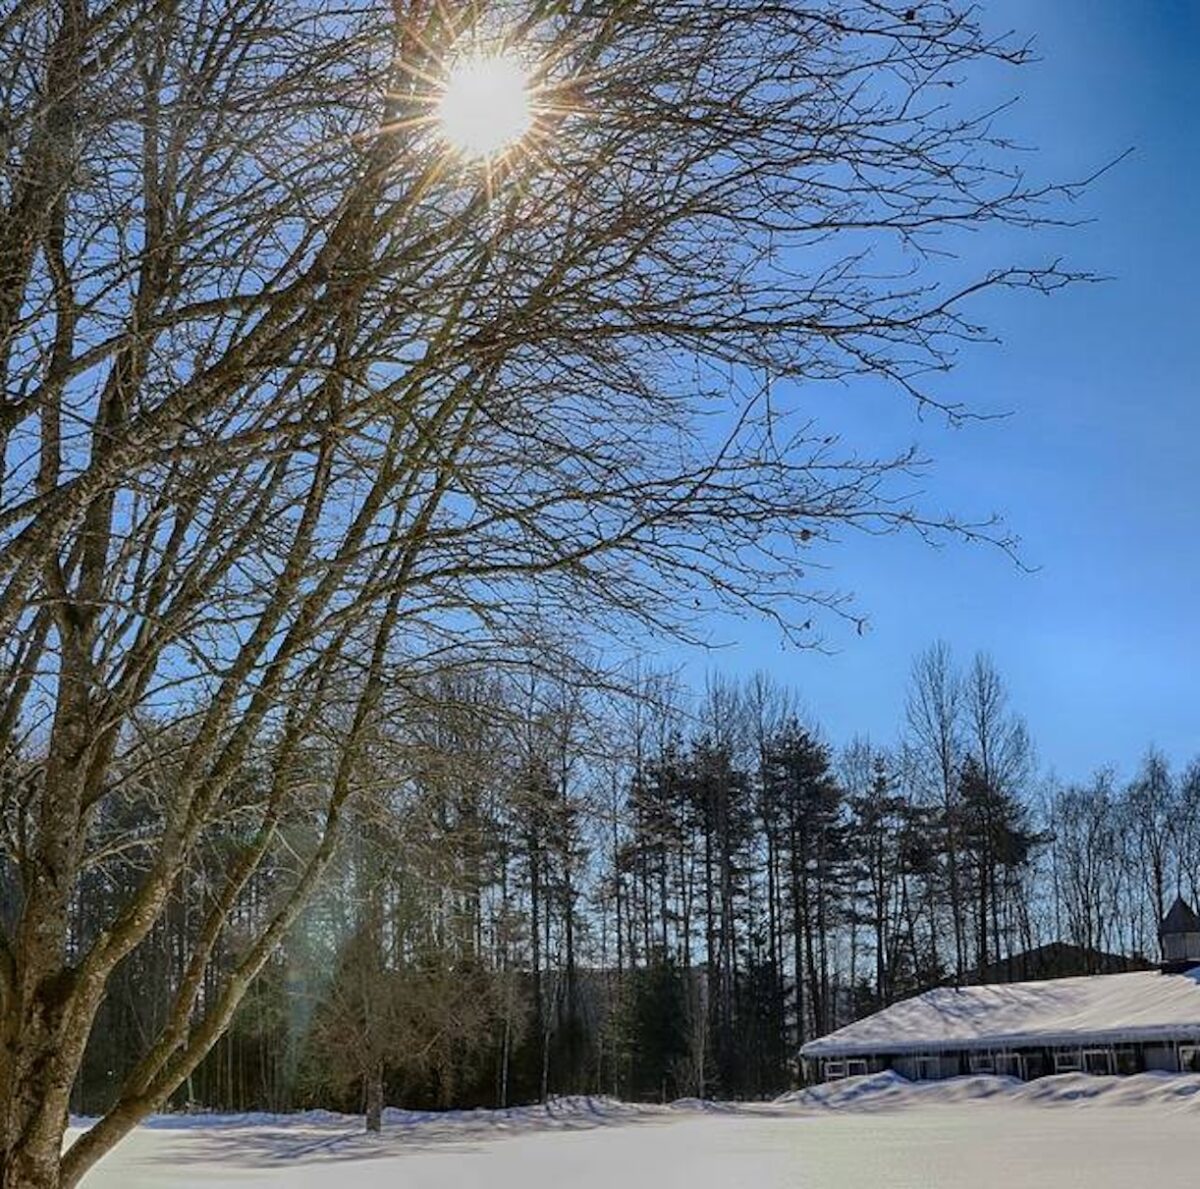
{"x":484,"y":96}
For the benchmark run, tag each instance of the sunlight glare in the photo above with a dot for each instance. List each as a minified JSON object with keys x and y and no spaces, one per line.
{"x":485,"y":105}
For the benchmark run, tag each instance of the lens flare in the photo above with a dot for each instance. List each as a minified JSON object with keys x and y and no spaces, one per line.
{"x":485,"y":104}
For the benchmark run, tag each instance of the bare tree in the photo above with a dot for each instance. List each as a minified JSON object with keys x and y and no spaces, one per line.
{"x":1087,"y":867}
{"x":1152,"y":807}
{"x":297,"y":402}
{"x":1187,"y":832}
{"x":934,"y":715}
{"x":1001,"y":751}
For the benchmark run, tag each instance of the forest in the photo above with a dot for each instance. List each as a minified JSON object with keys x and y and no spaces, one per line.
{"x":553,"y":885}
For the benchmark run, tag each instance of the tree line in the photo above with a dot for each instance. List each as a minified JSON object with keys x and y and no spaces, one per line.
{"x":553,"y":890}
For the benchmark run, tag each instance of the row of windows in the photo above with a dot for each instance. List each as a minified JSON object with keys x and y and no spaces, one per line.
{"x":1110,"y":1059}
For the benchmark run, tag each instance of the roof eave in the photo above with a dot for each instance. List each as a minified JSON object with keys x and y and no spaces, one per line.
{"x":1016,"y":1040}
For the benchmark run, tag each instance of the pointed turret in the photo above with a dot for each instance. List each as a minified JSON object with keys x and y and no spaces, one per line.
{"x":1179,"y":935}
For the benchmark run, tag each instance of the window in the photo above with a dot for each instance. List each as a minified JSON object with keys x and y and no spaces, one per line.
{"x":1189,"y":1058}
{"x":1010,"y":1065}
{"x":1068,"y":1061}
{"x":1033,"y":1065}
{"x":851,"y":1067}
{"x":1003,"y":1064}
{"x":929,"y":1068}
{"x":1101,"y":1061}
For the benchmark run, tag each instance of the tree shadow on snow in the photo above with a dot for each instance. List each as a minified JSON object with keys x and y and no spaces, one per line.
{"x":262,"y":1143}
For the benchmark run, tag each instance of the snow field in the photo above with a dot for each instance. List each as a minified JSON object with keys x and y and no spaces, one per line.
{"x":986,"y":1132}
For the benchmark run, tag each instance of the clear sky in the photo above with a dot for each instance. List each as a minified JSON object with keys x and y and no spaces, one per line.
{"x":1097,"y":470}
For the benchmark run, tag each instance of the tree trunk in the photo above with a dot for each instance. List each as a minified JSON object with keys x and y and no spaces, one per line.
{"x":33,"y":1146}
{"x":373,"y":1093}
{"x":39,"y":1059}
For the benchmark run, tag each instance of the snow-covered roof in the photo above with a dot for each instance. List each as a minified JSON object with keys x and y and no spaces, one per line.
{"x":1101,"y":1009}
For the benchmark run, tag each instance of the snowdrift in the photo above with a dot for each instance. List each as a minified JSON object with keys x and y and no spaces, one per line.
{"x":565,"y":1111}
{"x":891,"y":1091}
{"x":873,"y":1092}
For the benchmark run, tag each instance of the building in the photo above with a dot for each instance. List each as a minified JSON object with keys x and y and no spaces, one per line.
{"x":1056,"y":959}
{"x":1179,"y":936}
{"x":1102,"y":1023}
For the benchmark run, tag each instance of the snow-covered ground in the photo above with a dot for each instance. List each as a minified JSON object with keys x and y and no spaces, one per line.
{"x":990,"y":1133}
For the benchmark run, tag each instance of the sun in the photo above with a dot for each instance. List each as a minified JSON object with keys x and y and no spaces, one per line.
{"x":485,"y":104}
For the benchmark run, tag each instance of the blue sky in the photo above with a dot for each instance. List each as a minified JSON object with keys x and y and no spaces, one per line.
{"x":1096,"y":470}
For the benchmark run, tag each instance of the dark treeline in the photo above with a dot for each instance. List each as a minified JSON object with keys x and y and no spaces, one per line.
{"x":549,"y":890}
